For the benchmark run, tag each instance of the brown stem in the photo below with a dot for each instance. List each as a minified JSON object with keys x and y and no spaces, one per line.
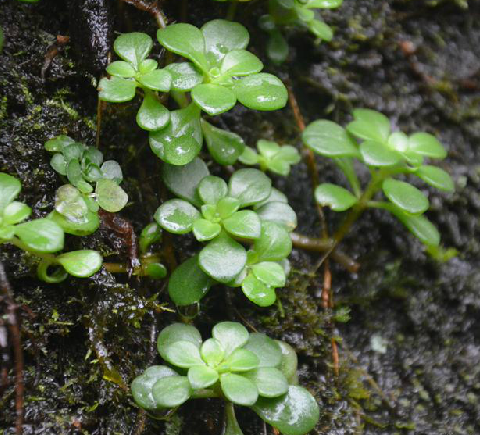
{"x":152,"y":8}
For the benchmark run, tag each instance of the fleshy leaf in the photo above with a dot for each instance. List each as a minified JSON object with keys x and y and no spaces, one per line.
{"x":142,"y":385}
{"x":133,"y":47}
{"x":183,"y":354}
{"x":249,"y":156}
{"x":336,"y":197}
{"x":289,"y":362}
{"x":427,"y":145}
{"x":295,"y":413}
{"x":270,"y":381}
{"x":227,"y":206}
{"x":120,"y":68}
{"x":202,"y":377}
{"x":249,"y":186}
{"x":81,"y":263}
{"x":270,"y":273}
{"x":116,"y":89}
{"x":321,"y":30}
{"x":240,"y":63}
{"x":267,"y":350}
{"x":110,"y":196}
{"x":177,"y":332}
{"x":274,"y":242}
{"x":183,"y":180}
{"x":204,"y":230}
{"x":405,"y":196}
{"x":85,"y":227}
{"x":176,"y":216}
{"x":377,"y":154}
{"x":156,"y":80}
{"x":171,"y":391}
{"x":419,"y":226}
{"x":370,"y":125}
{"x":280,"y":213}
{"x":185,"y":76}
{"x":240,"y":360}
{"x":261,"y":91}
{"x":213,"y":99}
{"x":221,"y":37}
{"x":277,"y":46}
{"x":212,"y":189}
{"x":223,"y":258}
{"x":112,"y":170}
{"x":212,"y":352}
{"x":257,"y":291}
{"x":224,"y":146}
{"x":329,"y":139}
{"x":231,"y":335}
{"x":15,"y":212}
{"x":244,"y":224}
{"x":436,"y":177}
{"x":58,"y":143}
{"x":152,"y":114}
{"x":42,"y":235}
{"x":238,"y":389}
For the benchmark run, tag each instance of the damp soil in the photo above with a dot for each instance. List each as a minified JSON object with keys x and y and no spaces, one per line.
{"x":410,"y":352}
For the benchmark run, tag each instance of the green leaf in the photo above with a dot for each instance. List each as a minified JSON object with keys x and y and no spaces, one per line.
{"x":270,"y":273}
{"x":152,"y":114}
{"x":288,"y":154}
{"x":119,"y":68}
{"x":223,"y":258}
{"x":275,"y":196}
{"x":232,"y":428}
{"x":59,"y":164}
{"x":152,"y":233}
{"x":177,"y":332}
{"x":436,"y":177}
{"x":329,"y":139}
{"x":280,"y":213}
{"x":188,"y":283}
{"x":117,"y":89}
{"x":171,"y":391}
{"x":176,"y":216}
{"x":112,"y":171}
{"x":110,"y":196}
{"x":73,"y":151}
{"x":427,"y":145}
{"x":58,"y":143}
{"x":231,"y":335}
{"x":88,"y":225}
{"x":257,"y":291}
{"x":204,"y":230}
{"x":221,"y":37}
{"x":180,"y":142}
{"x":377,"y":154}
{"x":81,"y":263}
{"x":324,"y":4}
{"x":183,"y":180}
{"x":185,"y":40}
{"x":213,"y":99}
{"x":370,"y":125}
{"x":336,"y":197}
{"x":289,"y":362}
{"x":74,"y":172}
{"x":42,"y":235}
{"x":238,"y":389}
{"x":274,"y":242}
{"x":7,"y":233}
{"x":227,"y":206}
{"x":261,"y":91}
{"x":202,"y":377}
{"x":321,"y":30}
{"x":14,"y":213}
{"x":267,"y":350}
{"x":9,"y":189}
{"x":156,"y":80}
{"x":142,"y":385}
{"x":70,"y":203}
{"x":133,"y":47}
{"x":147,"y":66}
{"x":240,"y":63}
{"x":405,"y":196}
{"x":224,"y":146}
{"x":212,"y":189}
{"x":295,"y":413}
{"x":240,"y":360}
{"x":185,"y":76}
{"x":244,"y":224}
{"x":183,"y":354}
{"x":419,"y":226}
{"x":398,"y":141}
{"x":156,"y":270}
{"x":249,"y":156}
{"x":212,"y":352}
{"x":270,"y":381}
{"x":277,"y":47}
{"x":249,"y":186}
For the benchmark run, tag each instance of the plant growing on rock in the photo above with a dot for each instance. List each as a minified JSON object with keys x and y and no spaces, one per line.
{"x":386,"y":154}
{"x":42,"y":237}
{"x":242,"y":369}
{"x":290,"y":13}
{"x":221,"y":214}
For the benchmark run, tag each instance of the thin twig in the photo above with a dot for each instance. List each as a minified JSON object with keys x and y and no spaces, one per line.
{"x":152,"y":8}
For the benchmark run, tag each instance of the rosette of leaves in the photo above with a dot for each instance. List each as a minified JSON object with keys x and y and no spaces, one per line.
{"x":243,"y":369}
{"x":386,"y":154}
{"x":136,"y":71}
{"x":42,"y":237}
{"x":226,"y":217}
{"x":76,"y":204}
{"x":271,"y":157}
{"x":290,"y":13}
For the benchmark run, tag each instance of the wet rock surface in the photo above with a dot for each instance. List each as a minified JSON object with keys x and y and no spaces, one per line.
{"x":410,"y":353}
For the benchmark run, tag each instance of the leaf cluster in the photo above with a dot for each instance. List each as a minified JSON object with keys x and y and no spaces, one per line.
{"x":245,"y":369}
{"x":226,"y":216}
{"x":286,"y":13}
{"x":369,"y":139}
{"x":42,"y":237}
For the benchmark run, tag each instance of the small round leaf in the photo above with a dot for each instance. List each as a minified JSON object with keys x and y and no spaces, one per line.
{"x":120,"y":68}
{"x":213,"y":99}
{"x":257,"y":291}
{"x":270,"y":273}
{"x":204,"y":230}
{"x":261,"y":91}
{"x":142,"y":385}
{"x":116,"y":89}
{"x":156,"y":80}
{"x":185,"y":76}
{"x":240,"y":63}
{"x":280,"y":213}
{"x":133,"y":47}
{"x":249,"y":186}
{"x":336,"y":197}
{"x":377,"y":154}
{"x":238,"y":389}
{"x":270,"y":381}
{"x":274,"y":242}
{"x":244,"y":224}
{"x":267,"y":350}
{"x":212,"y":352}
{"x":427,"y":145}
{"x":231,"y":335}
{"x":110,"y":196}
{"x":436,"y":177}
{"x":183,"y":354}
{"x":171,"y":391}
{"x":222,"y":36}
{"x":405,"y":196}
{"x":240,"y":360}
{"x":176,"y":216}
{"x":152,"y":114}
{"x":212,"y":189}
{"x":202,"y":377}
{"x":224,"y":146}
{"x":177,"y":332}
{"x":42,"y":235}
{"x":81,"y":263}
{"x":370,"y":125}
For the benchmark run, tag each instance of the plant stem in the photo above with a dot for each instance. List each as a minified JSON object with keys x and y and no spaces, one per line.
{"x":232,"y":8}
{"x":231,"y":427}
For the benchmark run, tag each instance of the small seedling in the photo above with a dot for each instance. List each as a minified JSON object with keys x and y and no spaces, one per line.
{"x":76,"y":205}
{"x":42,"y":237}
{"x":290,"y":13}
{"x":221,"y":214}
{"x":271,"y":157}
{"x":368,"y":138}
{"x":243,"y":369}
{"x":136,"y":71}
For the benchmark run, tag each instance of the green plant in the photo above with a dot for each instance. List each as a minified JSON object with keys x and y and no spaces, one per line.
{"x":42,"y":237}
{"x":225,"y":224}
{"x":285,"y":13}
{"x":76,"y":205}
{"x":136,"y":71}
{"x":243,"y":369}
{"x":369,"y":140}
{"x":271,"y":157}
